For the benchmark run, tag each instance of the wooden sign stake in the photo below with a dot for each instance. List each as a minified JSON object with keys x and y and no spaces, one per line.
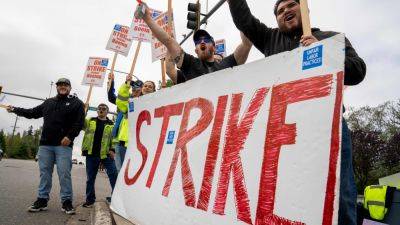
{"x":305,"y":17}
{"x":112,"y":70}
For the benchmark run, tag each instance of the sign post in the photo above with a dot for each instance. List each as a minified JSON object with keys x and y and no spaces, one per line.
{"x":135,"y":58}
{"x":112,"y":71}
{"x":305,"y":17}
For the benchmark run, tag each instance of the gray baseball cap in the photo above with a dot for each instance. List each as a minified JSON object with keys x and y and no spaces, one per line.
{"x":63,"y":81}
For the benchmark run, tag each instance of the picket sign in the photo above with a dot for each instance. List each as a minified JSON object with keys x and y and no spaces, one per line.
{"x":158,"y":50}
{"x":305,"y":17}
{"x":94,"y":75}
{"x":253,"y":144}
{"x":220,"y":47}
{"x":139,"y":30}
{"x":120,"y":40}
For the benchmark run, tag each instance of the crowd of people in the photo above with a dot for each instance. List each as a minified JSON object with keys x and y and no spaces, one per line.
{"x":105,"y":141}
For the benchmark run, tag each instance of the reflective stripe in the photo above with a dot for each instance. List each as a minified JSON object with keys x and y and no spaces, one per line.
{"x":377,"y":203}
{"x":376,"y":187}
{"x":122,"y":98}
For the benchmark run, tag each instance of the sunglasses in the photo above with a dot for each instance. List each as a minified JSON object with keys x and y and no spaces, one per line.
{"x":203,"y":39}
{"x":102,"y":109}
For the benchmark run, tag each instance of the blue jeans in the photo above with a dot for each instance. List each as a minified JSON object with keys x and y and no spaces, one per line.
{"x":62,"y":157}
{"x":348,"y":190}
{"x":120,"y":151}
{"x":92,"y":167}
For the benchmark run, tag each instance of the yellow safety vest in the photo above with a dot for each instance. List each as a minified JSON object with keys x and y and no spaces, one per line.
{"x":374,"y":201}
{"x":122,"y":106}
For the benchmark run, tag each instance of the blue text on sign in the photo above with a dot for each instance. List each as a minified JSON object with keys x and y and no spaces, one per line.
{"x":312,"y":57}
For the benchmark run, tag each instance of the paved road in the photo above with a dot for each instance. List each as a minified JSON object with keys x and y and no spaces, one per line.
{"x":18,"y":189}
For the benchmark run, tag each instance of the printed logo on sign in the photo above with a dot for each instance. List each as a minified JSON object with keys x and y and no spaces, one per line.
{"x":170,"y":138}
{"x":155,"y":14}
{"x":117,"y":27}
{"x":104,"y":62}
{"x":312,"y":57}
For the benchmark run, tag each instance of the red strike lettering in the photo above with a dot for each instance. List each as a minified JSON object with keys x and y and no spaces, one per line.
{"x":165,"y":112}
{"x":184,"y":137}
{"x":144,"y":116}
{"x":333,"y":158}
{"x":235,"y":138}
{"x":212,"y":154}
{"x":278,"y":133}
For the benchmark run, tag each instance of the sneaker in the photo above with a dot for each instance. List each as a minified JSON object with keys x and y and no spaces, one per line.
{"x":108,"y":199}
{"x":67,"y":207}
{"x":39,"y":205}
{"x":88,"y":204}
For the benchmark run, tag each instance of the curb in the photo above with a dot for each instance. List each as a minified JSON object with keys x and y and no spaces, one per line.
{"x":101,"y":214}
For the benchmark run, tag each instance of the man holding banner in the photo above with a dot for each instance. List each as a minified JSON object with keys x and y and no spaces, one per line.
{"x":286,"y":37}
{"x":191,"y":66}
{"x":63,"y":117}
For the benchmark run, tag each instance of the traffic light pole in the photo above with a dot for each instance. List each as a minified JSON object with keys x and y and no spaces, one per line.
{"x":204,"y":20}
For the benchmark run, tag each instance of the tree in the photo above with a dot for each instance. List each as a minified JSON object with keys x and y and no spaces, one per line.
{"x":3,"y":144}
{"x":376,"y":140}
{"x":368,"y":148}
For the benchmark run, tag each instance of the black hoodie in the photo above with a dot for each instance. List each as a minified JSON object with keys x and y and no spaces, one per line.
{"x":272,"y":41}
{"x":63,"y":116}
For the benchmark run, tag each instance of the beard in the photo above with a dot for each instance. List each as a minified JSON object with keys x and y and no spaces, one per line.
{"x":64,"y":94}
{"x":206,"y":55}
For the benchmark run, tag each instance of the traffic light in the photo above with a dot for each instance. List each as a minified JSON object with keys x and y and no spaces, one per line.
{"x":193,"y":16}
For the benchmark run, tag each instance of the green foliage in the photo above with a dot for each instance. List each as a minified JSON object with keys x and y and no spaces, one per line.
{"x":3,"y":144}
{"x":169,"y":83}
{"x":376,"y":142}
{"x":21,"y":147}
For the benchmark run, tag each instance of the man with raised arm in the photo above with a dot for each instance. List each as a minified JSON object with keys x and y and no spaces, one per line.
{"x":190,"y":66}
{"x":286,"y":37}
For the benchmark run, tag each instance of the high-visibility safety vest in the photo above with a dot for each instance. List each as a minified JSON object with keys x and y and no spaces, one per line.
{"x":122,"y":106}
{"x":374,"y":201}
{"x":88,"y":138}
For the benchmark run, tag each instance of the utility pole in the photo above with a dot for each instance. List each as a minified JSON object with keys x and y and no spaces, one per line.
{"x":51,"y":88}
{"x":15,"y":127}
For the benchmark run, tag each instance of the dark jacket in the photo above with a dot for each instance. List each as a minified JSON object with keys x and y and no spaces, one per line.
{"x":62,"y":117}
{"x":272,"y":41}
{"x":111,"y":93}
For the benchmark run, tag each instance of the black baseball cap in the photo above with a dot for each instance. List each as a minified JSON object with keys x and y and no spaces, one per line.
{"x":137,"y":84}
{"x":63,"y":81}
{"x":202,"y":33}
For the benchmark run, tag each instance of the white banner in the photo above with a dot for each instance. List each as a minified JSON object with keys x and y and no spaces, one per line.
{"x":158,"y":50}
{"x":120,"y":40}
{"x":139,"y":29}
{"x":255,"y":144}
{"x":95,"y":72}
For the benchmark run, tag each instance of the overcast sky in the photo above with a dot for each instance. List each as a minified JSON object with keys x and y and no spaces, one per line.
{"x":43,"y":40}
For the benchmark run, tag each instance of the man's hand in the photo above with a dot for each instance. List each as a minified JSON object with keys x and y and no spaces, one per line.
{"x":111,"y":76}
{"x":10,"y":108}
{"x":112,"y":154}
{"x":65,"y":141}
{"x":128,"y":79}
{"x":141,"y":11}
{"x":307,"y":40}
